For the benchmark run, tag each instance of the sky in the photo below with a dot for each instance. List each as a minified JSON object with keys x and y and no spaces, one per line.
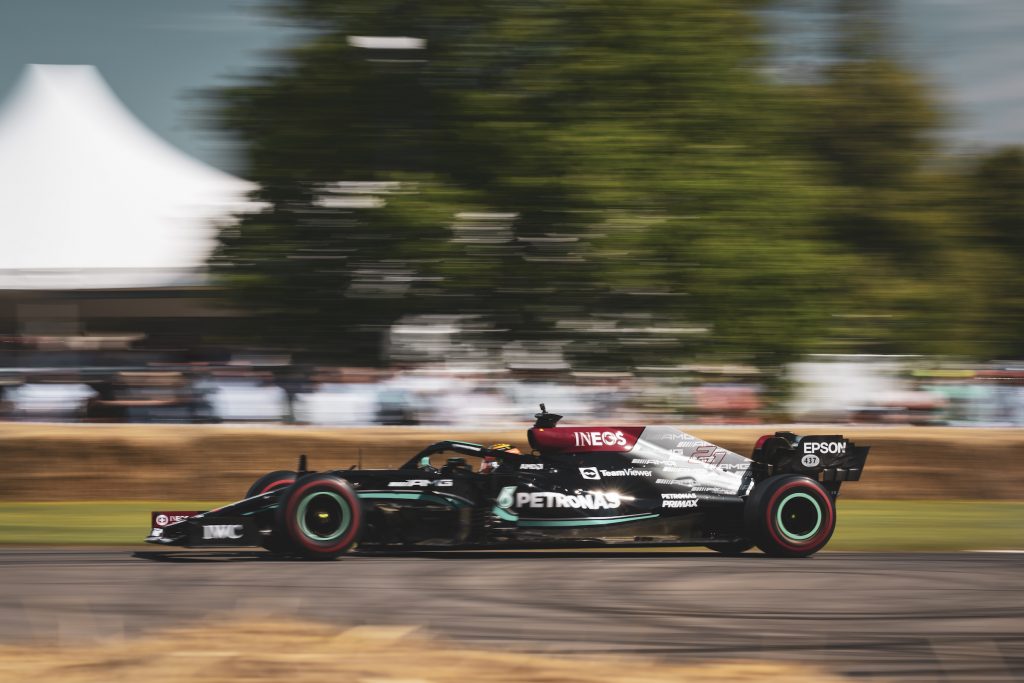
{"x":972,"y":52}
{"x":157,"y":54}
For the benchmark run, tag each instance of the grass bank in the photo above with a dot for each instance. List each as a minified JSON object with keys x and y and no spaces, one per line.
{"x":898,"y":525}
{"x":101,"y":462}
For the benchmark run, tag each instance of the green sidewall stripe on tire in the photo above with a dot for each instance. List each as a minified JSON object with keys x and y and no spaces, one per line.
{"x":345,"y":515}
{"x":782,"y":526}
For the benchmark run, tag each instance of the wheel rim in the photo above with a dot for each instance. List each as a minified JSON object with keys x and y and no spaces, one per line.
{"x":323,"y":516}
{"x":798,"y":516}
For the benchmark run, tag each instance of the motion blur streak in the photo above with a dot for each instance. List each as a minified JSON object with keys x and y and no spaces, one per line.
{"x":692,"y":209}
{"x":893,"y":617}
{"x":662,"y":194}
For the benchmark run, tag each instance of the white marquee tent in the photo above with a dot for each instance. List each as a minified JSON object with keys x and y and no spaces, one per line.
{"x":92,"y":199}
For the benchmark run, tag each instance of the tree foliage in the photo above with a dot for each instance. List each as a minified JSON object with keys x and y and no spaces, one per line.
{"x":624,"y":180}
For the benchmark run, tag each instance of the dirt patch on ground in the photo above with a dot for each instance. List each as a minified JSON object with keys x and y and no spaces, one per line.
{"x":301,"y":652}
{"x":46,"y":462}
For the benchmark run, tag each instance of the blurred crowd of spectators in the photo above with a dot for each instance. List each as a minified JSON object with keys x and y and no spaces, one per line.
{"x":906,"y":390}
{"x":989,"y":396}
{"x":130,"y":385}
{"x":350,"y":397}
{"x":121,"y":381}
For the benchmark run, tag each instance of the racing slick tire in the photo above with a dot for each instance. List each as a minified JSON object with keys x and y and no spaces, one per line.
{"x":320,"y":516}
{"x":790,"y":516}
{"x":271,"y":481}
{"x":733,"y":547}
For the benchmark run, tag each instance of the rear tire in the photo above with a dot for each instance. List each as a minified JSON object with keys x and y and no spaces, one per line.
{"x":790,"y":516}
{"x":271,"y":481}
{"x":320,"y":516}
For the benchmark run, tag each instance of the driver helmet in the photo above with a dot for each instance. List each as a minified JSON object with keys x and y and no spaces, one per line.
{"x":507,"y":447}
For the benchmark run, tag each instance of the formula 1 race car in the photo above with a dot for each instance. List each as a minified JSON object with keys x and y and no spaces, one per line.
{"x":581,"y":486}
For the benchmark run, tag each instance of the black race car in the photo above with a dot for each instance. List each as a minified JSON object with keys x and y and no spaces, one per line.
{"x":581,"y":486}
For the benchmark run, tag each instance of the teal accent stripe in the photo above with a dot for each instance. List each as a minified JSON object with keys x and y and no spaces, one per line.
{"x":584,"y":522}
{"x":504,"y":514}
{"x":424,"y":496}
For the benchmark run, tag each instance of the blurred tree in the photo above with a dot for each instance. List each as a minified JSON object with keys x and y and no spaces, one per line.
{"x":996,"y":198}
{"x":627,"y":183}
{"x":617,"y":179}
{"x":872,"y":126}
{"x":992,"y":200}
{"x":324,"y":274}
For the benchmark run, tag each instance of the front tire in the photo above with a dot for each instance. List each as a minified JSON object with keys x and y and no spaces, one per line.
{"x":274,"y":481}
{"x":271,"y":481}
{"x":321,"y":517}
{"x":790,"y":516}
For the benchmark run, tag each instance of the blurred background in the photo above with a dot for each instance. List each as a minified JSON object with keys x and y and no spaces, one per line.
{"x":353,"y":213}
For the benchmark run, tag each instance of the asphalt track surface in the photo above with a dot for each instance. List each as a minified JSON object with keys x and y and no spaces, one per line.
{"x":908,"y":617}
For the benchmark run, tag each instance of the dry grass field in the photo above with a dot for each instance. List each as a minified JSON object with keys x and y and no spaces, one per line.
{"x":306,"y":653}
{"x":48,"y":462}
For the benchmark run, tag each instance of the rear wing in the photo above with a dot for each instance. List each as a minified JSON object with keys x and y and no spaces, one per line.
{"x":830,"y":458}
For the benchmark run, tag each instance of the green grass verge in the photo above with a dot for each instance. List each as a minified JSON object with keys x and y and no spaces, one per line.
{"x":863,"y":524}
{"x":82,"y":523}
{"x":929,"y":525}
